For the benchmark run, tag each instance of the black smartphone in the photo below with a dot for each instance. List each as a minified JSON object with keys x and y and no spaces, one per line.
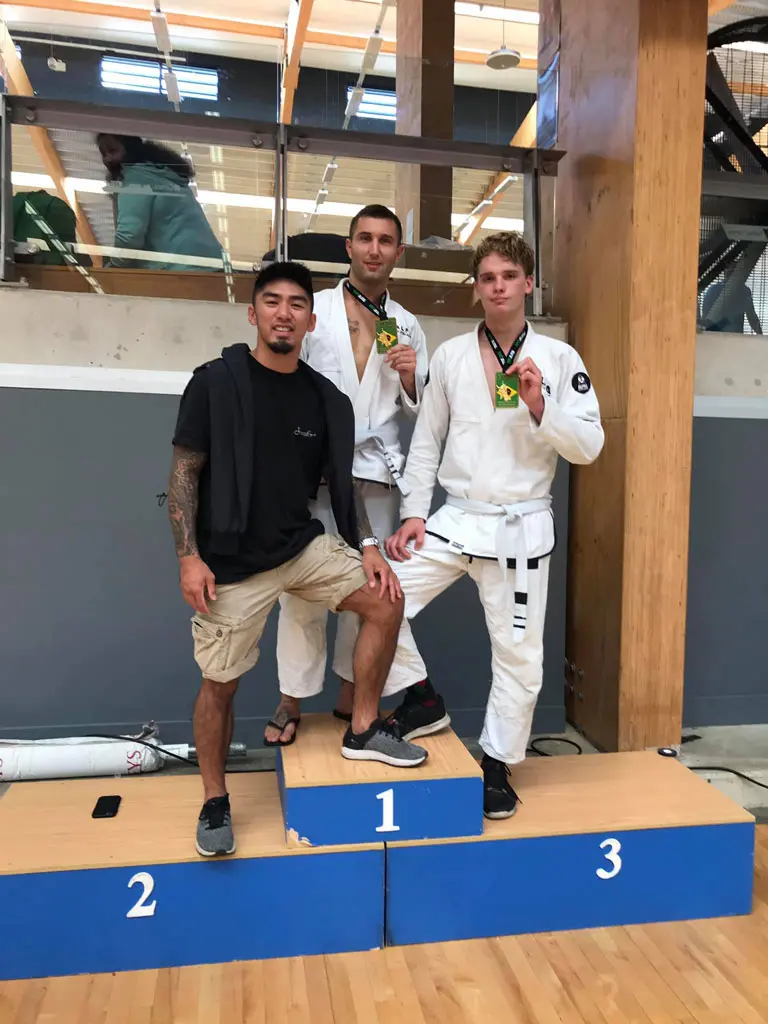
{"x":106,"y":807}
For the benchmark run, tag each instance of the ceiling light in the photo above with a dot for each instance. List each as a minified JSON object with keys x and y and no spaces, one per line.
{"x":503,"y":59}
{"x":162,"y":36}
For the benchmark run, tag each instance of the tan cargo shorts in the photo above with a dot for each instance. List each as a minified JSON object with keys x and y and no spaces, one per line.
{"x":227,"y":641}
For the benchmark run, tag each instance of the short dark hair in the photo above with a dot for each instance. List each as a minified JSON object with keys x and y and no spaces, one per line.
{"x":380,"y":213}
{"x":288,"y":271}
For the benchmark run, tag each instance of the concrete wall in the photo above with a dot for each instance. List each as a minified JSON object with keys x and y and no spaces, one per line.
{"x":124,"y":333}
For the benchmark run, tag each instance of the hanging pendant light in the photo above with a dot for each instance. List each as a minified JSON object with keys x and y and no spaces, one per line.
{"x":503,"y":59}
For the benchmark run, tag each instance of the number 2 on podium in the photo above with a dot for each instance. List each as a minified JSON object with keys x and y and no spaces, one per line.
{"x":142,"y":908}
{"x":387,"y":812}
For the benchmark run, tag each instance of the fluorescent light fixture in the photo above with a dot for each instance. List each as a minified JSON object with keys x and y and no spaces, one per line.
{"x":371,"y":54}
{"x":374,"y":104}
{"x":162,"y":36}
{"x":171,"y":86}
{"x":354,"y":99}
{"x":145,"y":76}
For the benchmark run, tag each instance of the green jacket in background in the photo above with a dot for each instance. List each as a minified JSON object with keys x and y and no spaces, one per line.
{"x":59,"y":217}
{"x":156,"y":210}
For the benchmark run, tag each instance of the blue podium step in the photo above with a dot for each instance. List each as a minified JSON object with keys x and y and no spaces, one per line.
{"x":79,"y":895}
{"x":328,"y":800}
{"x":599,"y":840}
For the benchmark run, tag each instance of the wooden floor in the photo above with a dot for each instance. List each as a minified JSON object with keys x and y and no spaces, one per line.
{"x":700,"y":972}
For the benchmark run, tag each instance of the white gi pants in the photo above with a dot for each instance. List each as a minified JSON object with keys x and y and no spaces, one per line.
{"x":516,"y":668}
{"x":301,"y":627}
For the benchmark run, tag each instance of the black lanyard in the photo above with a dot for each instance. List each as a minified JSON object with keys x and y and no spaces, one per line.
{"x":378,"y":311}
{"x":505,"y":361}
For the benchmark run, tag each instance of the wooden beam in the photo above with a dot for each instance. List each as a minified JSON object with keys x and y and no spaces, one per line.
{"x":20,"y":85}
{"x":298,"y":25}
{"x":244,"y":28}
{"x":630,"y":512}
{"x":524,"y":136}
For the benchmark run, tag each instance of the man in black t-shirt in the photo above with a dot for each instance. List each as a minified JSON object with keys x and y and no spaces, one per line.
{"x":257,"y":431}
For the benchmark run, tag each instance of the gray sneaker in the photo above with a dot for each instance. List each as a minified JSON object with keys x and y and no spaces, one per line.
{"x":214,"y":828}
{"x":382,"y":742}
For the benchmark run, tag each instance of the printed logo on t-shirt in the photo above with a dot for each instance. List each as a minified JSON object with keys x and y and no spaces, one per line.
{"x":581,"y":383}
{"x":298,"y":432}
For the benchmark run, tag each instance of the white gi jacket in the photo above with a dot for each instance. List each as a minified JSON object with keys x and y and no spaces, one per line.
{"x":379,"y":396}
{"x":498,"y":457}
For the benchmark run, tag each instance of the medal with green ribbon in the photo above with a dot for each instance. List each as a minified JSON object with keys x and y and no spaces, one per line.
{"x":507,"y":390}
{"x":386,"y":326}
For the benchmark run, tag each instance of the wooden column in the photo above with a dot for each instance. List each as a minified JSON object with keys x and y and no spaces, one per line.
{"x":628,"y":194}
{"x":424,"y":77}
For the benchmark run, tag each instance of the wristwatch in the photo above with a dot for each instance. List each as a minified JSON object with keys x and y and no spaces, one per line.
{"x":369,"y":542}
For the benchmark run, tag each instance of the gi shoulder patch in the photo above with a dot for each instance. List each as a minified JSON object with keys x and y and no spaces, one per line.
{"x":580,"y":382}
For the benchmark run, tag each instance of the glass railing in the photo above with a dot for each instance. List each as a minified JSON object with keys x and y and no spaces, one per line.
{"x":144,"y":202}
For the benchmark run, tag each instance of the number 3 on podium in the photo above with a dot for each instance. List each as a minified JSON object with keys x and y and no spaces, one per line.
{"x":613,"y":846}
{"x":387,"y":812}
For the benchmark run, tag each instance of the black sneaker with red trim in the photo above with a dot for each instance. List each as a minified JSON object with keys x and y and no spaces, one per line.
{"x":422,"y":712}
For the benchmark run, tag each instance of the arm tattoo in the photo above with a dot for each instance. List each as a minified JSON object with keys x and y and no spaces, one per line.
{"x":363,"y":522}
{"x":182,"y":498}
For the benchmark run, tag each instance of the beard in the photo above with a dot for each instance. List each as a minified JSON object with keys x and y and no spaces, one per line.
{"x":281,"y":347}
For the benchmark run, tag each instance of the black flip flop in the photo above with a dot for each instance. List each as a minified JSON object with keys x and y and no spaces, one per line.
{"x":282,"y":725}
{"x":345,"y":716}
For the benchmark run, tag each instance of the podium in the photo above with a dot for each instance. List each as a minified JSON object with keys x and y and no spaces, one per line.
{"x":82,"y":895}
{"x":328,"y":800}
{"x":598,"y":840}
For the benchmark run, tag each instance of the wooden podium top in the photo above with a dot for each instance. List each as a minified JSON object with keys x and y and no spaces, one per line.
{"x":47,"y":826}
{"x":570,"y":795}
{"x":315,"y":758}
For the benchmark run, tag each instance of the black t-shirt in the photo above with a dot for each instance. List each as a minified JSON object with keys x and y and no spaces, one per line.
{"x":290,"y":446}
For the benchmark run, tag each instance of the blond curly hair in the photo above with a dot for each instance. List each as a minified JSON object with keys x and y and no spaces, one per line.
{"x":509,"y":244}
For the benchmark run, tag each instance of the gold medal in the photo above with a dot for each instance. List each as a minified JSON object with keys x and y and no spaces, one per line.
{"x":386,"y":335}
{"x":507,"y":391}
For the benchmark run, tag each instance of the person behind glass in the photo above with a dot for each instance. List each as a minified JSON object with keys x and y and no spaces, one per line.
{"x":155,"y":208}
{"x":256,"y":431}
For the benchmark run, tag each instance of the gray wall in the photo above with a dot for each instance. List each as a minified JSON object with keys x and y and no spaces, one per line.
{"x":94,"y":634}
{"x":726,"y":668}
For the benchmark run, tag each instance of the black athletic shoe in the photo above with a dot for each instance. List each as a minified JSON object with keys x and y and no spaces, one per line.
{"x":421,"y":715}
{"x":214,"y":828}
{"x":499,"y":799}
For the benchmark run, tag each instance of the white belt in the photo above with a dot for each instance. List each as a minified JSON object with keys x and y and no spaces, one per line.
{"x":510,"y":543}
{"x":381,"y":440}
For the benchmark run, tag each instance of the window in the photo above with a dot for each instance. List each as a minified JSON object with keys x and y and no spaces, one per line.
{"x":377,"y":104}
{"x":147,"y":76}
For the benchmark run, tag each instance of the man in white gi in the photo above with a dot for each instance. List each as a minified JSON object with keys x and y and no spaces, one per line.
{"x":374,"y":351}
{"x":506,"y":401}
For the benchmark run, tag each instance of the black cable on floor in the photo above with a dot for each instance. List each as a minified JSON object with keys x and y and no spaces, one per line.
{"x":731,"y":771}
{"x":533,"y":749}
{"x":152,"y":746}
